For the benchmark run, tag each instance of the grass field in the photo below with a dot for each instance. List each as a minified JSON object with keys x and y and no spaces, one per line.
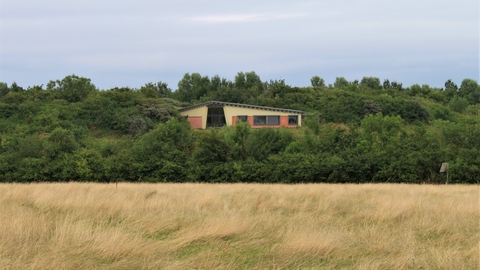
{"x":239,"y":226}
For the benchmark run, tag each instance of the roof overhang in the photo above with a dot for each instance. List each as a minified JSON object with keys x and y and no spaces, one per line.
{"x":230,"y":104}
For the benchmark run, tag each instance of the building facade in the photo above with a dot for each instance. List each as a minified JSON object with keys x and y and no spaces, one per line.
{"x":218,"y":114}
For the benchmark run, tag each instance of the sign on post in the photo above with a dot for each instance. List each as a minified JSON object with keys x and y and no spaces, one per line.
{"x":444,"y":168}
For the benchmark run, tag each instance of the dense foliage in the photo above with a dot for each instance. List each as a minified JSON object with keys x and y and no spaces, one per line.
{"x":370,"y":132}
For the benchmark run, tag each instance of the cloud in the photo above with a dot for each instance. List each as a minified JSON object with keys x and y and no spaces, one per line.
{"x":128,"y":43}
{"x":244,"y":18}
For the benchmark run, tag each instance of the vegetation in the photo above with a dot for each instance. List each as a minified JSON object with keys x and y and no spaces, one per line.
{"x":240,"y":226}
{"x":370,"y":132}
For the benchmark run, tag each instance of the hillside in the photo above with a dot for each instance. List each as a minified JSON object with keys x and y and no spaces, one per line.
{"x":370,"y":132}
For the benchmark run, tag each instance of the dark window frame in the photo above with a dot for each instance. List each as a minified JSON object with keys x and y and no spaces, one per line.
{"x":270,"y":122}
{"x":293,"y":120}
{"x":243,"y":118}
{"x":256,"y":121}
{"x":216,"y":117}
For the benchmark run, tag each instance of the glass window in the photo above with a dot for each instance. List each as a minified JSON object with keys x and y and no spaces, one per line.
{"x":293,"y":120}
{"x":215,"y":117}
{"x":243,"y":118}
{"x":259,"y":120}
{"x":273,"y":120}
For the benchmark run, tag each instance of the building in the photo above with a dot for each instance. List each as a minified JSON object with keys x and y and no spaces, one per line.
{"x":218,"y":114}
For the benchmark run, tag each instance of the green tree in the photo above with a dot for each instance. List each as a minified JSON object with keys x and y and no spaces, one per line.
{"x":210,"y":156}
{"x":312,"y":122}
{"x":247,"y":80}
{"x":158,"y":90}
{"x":137,"y":125}
{"x":449,"y":84}
{"x":371,"y":107}
{"x":340,"y":82}
{"x":72,"y":88}
{"x":396,"y":85}
{"x":192,"y":87}
{"x":378,"y":144}
{"x":14,"y":98}
{"x":470,"y":90}
{"x":316,"y":81}
{"x":98,"y":112}
{"x":89,"y":165}
{"x":162,"y":154}
{"x":413,"y":111}
{"x":276,"y":89}
{"x":15,"y":88}
{"x":239,"y":139}
{"x":60,"y":141}
{"x":458,"y":104}
{"x":267,"y":141}
{"x":3,"y":89}
{"x":371,"y":82}
{"x":386,"y":84}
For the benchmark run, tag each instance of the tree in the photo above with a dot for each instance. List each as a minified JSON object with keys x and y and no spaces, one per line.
{"x":276,"y":89}
{"x":371,"y":107}
{"x":3,"y":89}
{"x":161,"y":154}
{"x":72,"y":88}
{"x":451,"y":89}
{"x":14,"y":98}
{"x":192,"y":87}
{"x":15,"y":88}
{"x":371,"y":82}
{"x":458,"y":104}
{"x":396,"y":85}
{"x":60,"y":141}
{"x":158,"y":90}
{"x":163,"y":90}
{"x":386,"y":84}
{"x":413,"y":111}
{"x":470,"y":90}
{"x":340,"y":82}
{"x":240,"y":139}
{"x":253,"y":80}
{"x":99,"y":111}
{"x":246,"y":85}
{"x":316,"y":81}
{"x":451,"y":85}
{"x":379,"y":143}
{"x":136,"y":125}
{"x":267,"y":141}
{"x":156,"y":109}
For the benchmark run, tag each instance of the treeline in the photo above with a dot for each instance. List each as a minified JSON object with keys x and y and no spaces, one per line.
{"x":370,"y":132}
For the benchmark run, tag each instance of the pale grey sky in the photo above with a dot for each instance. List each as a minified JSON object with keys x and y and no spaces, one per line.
{"x":130,"y":43}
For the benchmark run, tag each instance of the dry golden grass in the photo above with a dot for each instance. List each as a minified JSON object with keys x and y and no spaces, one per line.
{"x":239,"y":226}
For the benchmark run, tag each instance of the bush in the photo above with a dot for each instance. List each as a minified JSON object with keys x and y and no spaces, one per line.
{"x":458,"y":104}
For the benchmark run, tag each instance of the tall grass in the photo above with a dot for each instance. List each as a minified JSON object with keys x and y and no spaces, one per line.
{"x":239,"y":226}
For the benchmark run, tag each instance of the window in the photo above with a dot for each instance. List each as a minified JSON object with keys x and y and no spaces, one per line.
{"x":293,"y":120}
{"x":259,"y":120}
{"x":273,"y":120}
{"x":242,"y":118}
{"x":215,"y":117}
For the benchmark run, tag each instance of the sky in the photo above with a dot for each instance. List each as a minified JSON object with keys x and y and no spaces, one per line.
{"x":130,"y":43}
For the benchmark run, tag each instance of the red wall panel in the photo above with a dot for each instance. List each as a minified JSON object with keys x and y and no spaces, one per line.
{"x":195,"y":121}
{"x":284,"y":120}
